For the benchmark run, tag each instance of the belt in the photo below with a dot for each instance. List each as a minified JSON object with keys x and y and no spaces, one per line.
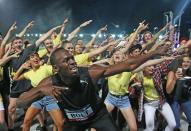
{"x":119,"y":96}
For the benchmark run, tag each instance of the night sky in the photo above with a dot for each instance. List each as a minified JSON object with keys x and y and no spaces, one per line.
{"x":125,"y":13}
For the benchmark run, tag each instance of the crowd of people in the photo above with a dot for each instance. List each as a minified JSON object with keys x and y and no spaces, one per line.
{"x":143,"y":82}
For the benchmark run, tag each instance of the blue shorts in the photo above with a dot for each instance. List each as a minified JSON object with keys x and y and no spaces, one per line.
{"x":47,"y":102}
{"x":118,"y":101}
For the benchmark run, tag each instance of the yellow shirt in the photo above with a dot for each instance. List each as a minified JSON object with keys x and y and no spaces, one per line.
{"x":82,"y":59}
{"x":118,"y":84}
{"x":57,"y":40}
{"x":35,"y":77}
{"x":150,"y":92}
{"x":1,"y":100}
{"x":42,"y":52}
{"x":1,"y":72}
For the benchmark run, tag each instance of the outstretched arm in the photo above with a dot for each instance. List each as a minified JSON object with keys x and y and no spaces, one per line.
{"x":152,"y":62}
{"x":132,"y":39}
{"x":92,"y":41}
{"x":151,"y":42}
{"x":101,"y":49}
{"x":29,"y":25}
{"x":45,"y":88}
{"x":63,"y":26}
{"x":129,"y":65}
{"x":75,"y":31}
{"x":46,"y":35}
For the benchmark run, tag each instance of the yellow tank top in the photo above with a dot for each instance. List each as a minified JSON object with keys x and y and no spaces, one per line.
{"x":1,"y":100}
{"x":118,"y":84}
{"x":1,"y":72}
{"x":150,"y":92}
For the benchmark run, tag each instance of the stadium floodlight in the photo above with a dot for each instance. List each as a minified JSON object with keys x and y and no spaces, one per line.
{"x":100,"y":35}
{"x":160,"y":37}
{"x":36,"y":35}
{"x":120,"y":35}
{"x":113,"y":35}
{"x":65,"y":35}
{"x":81,"y":35}
{"x":28,"y":35}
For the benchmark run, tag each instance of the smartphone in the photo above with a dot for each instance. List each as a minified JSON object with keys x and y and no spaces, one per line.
{"x":180,"y":70}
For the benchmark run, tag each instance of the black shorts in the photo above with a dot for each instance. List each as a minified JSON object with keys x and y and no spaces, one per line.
{"x":104,"y":123}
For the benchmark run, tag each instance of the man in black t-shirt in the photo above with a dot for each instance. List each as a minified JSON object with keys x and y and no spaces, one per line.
{"x":75,"y":91}
{"x":21,"y":86}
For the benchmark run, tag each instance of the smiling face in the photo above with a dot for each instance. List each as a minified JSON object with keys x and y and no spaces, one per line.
{"x":17,"y":44}
{"x":148,"y":71}
{"x":186,"y":63}
{"x":65,"y":63}
{"x":48,"y":45}
{"x":54,"y":35}
{"x":78,"y":49}
{"x":136,"y":52}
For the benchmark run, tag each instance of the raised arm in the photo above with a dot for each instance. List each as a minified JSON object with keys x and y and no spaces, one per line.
{"x":26,"y":28}
{"x":101,"y":49}
{"x":161,"y":43}
{"x":63,"y":26}
{"x":5,"y":39}
{"x":92,"y":41}
{"x":75,"y":31}
{"x":46,"y":35}
{"x":151,"y":42}
{"x":132,"y":39}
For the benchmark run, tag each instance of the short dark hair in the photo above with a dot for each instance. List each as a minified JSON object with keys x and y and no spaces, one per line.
{"x":16,"y":38}
{"x":134,"y":47}
{"x":53,"y":55}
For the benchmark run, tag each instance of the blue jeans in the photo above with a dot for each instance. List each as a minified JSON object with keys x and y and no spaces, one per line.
{"x":121,"y":102}
{"x":186,"y":107}
{"x":47,"y":102}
